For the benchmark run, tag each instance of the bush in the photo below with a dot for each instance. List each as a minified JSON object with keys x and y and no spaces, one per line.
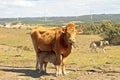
{"x":111,"y":32}
{"x":106,"y":29}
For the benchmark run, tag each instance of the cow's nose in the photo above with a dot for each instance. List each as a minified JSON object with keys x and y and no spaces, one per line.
{"x":72,"y":40}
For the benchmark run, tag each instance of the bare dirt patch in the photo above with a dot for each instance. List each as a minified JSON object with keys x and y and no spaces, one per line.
{"x":30,"y":74}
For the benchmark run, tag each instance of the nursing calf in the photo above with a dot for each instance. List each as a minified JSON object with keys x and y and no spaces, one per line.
{"x":45,"y":57}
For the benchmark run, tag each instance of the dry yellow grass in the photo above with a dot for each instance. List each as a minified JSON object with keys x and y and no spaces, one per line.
{"x":79,"y":61}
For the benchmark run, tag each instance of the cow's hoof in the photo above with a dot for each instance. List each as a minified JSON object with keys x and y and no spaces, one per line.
{"x":41,"y":71}
{"x":64,"y":73}
{"x":37,"y":70}
{"x":59,"y":74}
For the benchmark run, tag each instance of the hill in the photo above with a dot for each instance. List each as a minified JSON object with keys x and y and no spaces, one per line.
{"x":57,"y":20}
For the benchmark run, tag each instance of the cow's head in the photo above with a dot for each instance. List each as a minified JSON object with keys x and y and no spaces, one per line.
{"x":106,"y":43}
{"x":70,"y":32}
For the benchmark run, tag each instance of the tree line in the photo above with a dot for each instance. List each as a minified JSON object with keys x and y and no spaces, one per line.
{"x":107,"y":30}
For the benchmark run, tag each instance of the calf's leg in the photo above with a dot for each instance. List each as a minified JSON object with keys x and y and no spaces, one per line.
{"x":45,"y":66}
{"x":37,"y":63}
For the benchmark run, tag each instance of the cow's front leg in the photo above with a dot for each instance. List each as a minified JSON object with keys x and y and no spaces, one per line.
{"x":58,"y":70}
{"x":63,"y":66}
{"x":103,"y":50}
{"x":96,"y":50}
{"x":58,"y":66}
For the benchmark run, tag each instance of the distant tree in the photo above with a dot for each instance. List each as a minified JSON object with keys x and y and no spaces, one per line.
{"x":110,"y":32}
{"x":106,"y":29}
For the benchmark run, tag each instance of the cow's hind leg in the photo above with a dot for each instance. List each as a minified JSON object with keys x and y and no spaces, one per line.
{"x":96,"y":50}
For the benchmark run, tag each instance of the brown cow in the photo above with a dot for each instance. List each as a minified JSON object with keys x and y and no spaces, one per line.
{"x":59,"y":40}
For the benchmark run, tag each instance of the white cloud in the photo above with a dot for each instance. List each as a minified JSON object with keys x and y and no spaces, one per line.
{"x":17,"y":3}
{"x":19,"y":8}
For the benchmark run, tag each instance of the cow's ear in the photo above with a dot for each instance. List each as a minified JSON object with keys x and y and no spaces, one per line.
{"x":79,"y":31}
{"x":76,"y":31}
{"x":77,"y":26}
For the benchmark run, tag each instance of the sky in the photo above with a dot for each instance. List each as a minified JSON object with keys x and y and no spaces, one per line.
{"x":41,"y":8}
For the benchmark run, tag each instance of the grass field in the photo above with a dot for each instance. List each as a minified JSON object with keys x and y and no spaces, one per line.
{"x":17,"y":59}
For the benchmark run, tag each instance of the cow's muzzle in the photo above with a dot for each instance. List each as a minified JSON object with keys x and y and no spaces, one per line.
{"x":72,"y":41}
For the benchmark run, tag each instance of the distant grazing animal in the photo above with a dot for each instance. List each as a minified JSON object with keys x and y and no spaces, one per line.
{"x":98,"y":44}
{"x":45,"y":57}
{"x":58,"y":40}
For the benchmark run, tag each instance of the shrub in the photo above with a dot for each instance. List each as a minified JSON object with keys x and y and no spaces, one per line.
{"x":111,"y":32}
{"x":106,"y":29}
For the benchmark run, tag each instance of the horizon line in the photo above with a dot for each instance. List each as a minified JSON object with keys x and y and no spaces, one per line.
{"x":59,"y":16}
